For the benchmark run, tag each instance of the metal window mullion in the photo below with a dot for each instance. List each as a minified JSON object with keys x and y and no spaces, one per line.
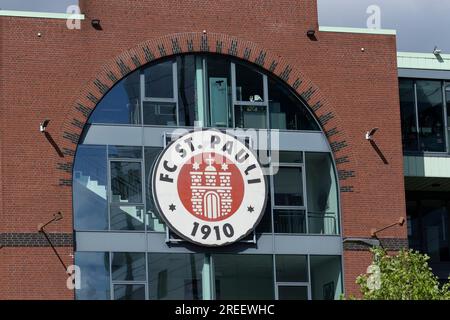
{"x":275,"y":286}
{"x":142,"y":96}
{"x":305,"y":196}
{"x":308,"y":265}
{"x":233,"y":93}
{"x":109,"y":189}
{"x":444,"y":105}
{"x":266,"y":100}
{"x":166,"y":100}
{"x":125,"y":282}
{"x":293,"y":284}
{"x":175,"y":89}
{"x":111,"y":286}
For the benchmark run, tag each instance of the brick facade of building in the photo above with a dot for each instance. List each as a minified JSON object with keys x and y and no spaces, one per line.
{"x":51,"y":72}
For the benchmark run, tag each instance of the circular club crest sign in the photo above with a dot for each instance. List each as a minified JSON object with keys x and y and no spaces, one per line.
{"x":209,"y":188}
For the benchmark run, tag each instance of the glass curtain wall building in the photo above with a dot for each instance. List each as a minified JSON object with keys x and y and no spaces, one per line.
{"x":123,"y":247}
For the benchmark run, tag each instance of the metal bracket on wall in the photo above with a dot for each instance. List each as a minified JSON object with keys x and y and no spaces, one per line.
{"x":369,"y":242}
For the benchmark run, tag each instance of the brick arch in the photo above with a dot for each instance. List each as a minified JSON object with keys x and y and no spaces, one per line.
{"x":198,"y":42}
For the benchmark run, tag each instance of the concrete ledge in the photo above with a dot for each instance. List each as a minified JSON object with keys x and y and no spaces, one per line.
{"x":43,"y":15}
{"x":423,"y":61}
{"x":359,"y":30}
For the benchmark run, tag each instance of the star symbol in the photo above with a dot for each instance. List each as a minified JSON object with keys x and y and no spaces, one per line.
{"x":224,"y":167}
{"x":196,"y":166}
{"x":250,"y":209}
{"x":172,"y":207}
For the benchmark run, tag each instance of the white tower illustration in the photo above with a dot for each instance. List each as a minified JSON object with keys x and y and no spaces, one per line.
{"x":211,"y":190}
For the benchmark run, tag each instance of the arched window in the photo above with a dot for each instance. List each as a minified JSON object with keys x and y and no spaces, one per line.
{"x":203,"y":90}
{"x":121,"y":240}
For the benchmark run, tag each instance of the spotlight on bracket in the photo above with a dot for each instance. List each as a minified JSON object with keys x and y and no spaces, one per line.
{"x":43,"y":126}
{"x":369,"y":134}
{"x":437,"y":51}
{"x":311,"y":33}
{"x":96,"y":24}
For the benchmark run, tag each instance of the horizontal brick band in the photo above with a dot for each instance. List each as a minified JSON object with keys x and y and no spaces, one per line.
{"x":391,"y":244}
{"x":35,"y":239}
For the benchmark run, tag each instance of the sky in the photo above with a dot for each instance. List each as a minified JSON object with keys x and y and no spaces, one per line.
{"x":421,"y":24}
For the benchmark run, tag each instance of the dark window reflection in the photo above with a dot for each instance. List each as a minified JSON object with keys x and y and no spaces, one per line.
{"x":89,"y":188}
{"x":126,"y":182}
{"x":126,"y":152}
{"x":186,"y":90}
{"x":291,"y":268}
{"x":289,"y":221}
{"x":128,"y":266}
{"x":292,"y":293}
{"x":408,"y":115}
{"x":287,"y":112}
{"x":243,"y":277}
{"x":175,"y":276}
{"x":431,"y":117}
{"x":129,"y":292}
{"x":428,"y":224}
{"x":249,"y":84}
{"x":160,"y":113}
{"x":95,"y":281}
{"x":159,"y":80}
{"x":121,"y":105}
{"x":288,"y":187}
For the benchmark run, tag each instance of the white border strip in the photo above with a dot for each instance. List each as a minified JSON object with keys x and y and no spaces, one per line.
{"x":45,"y":15}
{"x":358,"y":30}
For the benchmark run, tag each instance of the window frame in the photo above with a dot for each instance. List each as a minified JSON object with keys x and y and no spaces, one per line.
{"x":304,"y":208}
{"x":444,"y":84}
{"x":131,"y":204}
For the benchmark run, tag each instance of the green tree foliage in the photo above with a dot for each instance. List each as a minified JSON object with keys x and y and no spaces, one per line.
{"x":405,"y":276}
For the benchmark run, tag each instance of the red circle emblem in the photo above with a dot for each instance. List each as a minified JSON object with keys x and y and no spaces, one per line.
{"x":210,"y":187}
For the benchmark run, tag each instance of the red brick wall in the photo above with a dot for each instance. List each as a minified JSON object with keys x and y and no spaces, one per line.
{"x":45,"y":77}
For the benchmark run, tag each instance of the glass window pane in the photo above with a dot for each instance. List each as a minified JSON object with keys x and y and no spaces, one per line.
{"x":243,"y":277}
{"x":121,"y":105}
{"x":289,"y":221}
{"x":159,"y":80}
{"x":154,"y":222}
{"x":126,"y":182}
{"x":326,"y":277}
{"x":288,"y":185}
{"x":89,"y":188}
{"x":287,"y":112}
{"x":128,"y":266}
{"x":219,"y":91}
{"x":249,"y":84}
{"x":292,"y":268}
{"x":124,"y":152}
{"x":250,"y":117}
{"x":129,"y":292}
{"x":127,"y":217}
{"x":431,"y":116}
{"x":408,"y":115}
{"x":175,"y":276}
{"x":321,"y":186}
{"x":292,"y":293}
{"x":94,"y":267}
{"x":160,"y":113}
